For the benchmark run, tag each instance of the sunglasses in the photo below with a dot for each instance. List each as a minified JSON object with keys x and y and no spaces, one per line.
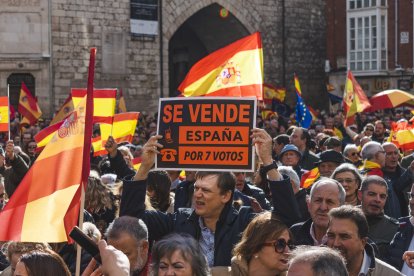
{"x":354,"y":153}
{"x":280,"y":245}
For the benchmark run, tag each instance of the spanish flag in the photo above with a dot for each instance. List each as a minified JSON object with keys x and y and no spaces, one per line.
{"x":308,"y":178}
{"x":354,"y":100}
{"x":122,"y":130}
{"x":121,"y":104}
{"x":45,"y":205}
{"x":66,"y":108}
{"x":136,"y":163}
{"x":4,"y":114}
{"x":235,"y":70}
{"x":28,"y":107}
{"x":271,"y":93}
{"x":104,"y":102}
{"x":44,"y":136}
{"x":402,"y":135}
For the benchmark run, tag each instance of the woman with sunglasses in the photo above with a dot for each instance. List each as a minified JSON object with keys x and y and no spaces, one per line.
{"x":263,"y":248}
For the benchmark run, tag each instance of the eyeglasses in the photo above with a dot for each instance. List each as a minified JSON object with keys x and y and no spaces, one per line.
{"x":346,"y":180}
{"x":354,"y":153}
{"x":410,"y":195}
{"x":370,"y":129}
{"x":31,"y":147}
{"x":280,"y":245}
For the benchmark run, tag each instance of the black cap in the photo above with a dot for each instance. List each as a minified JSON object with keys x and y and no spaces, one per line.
{"x":330,"y":156}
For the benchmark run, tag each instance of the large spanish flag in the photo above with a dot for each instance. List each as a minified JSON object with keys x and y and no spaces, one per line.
{"x":235,"y":70}
{"x":66,"y":108}
{"x":28,"y":107}
{"x":122,"y":130}
{"x":104,"y":102}
{"x":4,"y":114}
{"x":45,"y":205}
{"x":354,"y":100}
{"x":44,"y":136}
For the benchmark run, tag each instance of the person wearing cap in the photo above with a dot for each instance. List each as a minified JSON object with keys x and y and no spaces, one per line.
{"x":300,"y":137}
{"x":330,"y":160}
{"x":290,"y":156}
{"x":333,"y":143}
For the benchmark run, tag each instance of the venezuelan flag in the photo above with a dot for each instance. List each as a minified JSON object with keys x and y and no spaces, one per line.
{"x":235,"y":70}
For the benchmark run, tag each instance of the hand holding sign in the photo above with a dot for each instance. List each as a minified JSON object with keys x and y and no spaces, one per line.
{"x":149,"y":153}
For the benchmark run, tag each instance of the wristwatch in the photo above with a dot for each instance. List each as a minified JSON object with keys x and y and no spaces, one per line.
{"x":269,"y":167}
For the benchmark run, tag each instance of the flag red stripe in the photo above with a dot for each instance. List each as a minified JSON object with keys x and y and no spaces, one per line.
{"x":4,"y":101}
{"x":30,"y":99}
{"x":12,"y":231}
{"x":97,"y":93}
{"x":101,"y":119}
{"x":47,"y":131}
{"x":27,"y":114}
{"x":126,"y":116}
{"x":216,"y":59}
{"x":237,"y":91}
{"x":4,"y":127}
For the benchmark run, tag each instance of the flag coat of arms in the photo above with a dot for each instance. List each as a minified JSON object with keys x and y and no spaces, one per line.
{"x":28,"y":107}
{"x":235,"y":70}
{"x":354,"y":100}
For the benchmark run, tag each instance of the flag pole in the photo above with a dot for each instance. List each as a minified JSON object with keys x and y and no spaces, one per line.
{"x":8,"y":110}
{"x":86,"y":145}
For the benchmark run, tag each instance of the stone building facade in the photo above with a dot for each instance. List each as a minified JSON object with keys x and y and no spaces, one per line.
{"x":50,"y":40}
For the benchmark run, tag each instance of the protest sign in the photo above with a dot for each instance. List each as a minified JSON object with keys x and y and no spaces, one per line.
{"x":206,"y":133}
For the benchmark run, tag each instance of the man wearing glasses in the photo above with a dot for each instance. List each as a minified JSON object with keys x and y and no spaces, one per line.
{"x":373,"y":195}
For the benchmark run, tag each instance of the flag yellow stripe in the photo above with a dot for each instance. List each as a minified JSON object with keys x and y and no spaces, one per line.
{"x":120,"y":129}
{"x":247,"y":67}
{"x":4,"y":114}
{"x":41,"y":225}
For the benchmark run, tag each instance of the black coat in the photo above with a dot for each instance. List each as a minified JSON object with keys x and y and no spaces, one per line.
{"x":229,"y":227}
{"x":301,"y":233}
{"x":400,"y":243}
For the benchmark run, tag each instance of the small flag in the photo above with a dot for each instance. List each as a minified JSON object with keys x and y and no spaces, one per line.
{"x":28,"y":107}
{"x":303,"y":115}
{"x":136,"y":163}
{"x":309,"y":178}
{"x":402,"y":135}
{"x":235,"y":70}
{"x":354,"y":100}
{"x":271,"y":93}
{"x":104,"y":101}
{"x":4,"y":114}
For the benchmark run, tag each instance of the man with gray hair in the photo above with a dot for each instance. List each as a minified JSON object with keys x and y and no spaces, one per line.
{"x":351,"y":155}
{"x":300,"y":194}
{"x":315,"y":260}
{"x":373,"y":156}
{"x":325,"y":194}
{"x":130,"y":235}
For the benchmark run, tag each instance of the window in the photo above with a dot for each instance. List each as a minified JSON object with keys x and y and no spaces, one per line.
{"x":366,"y":35}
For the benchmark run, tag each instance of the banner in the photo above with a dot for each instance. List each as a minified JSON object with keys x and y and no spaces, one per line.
{"x":206,"y":134}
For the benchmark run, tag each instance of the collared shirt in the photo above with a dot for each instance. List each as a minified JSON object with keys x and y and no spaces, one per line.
{"x":207,"y":242}
{"x":315,"y":241}
{"x":365,"y":265}
{"x":406,"y":270}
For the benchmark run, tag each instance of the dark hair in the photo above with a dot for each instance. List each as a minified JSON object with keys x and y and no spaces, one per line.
{"x":262,"y":228}
{"x":305,"y":135}
{"x":354,"y":214}
{"x":282,"y":139}
{"x":39,"y":263}
{"x":373,"y":179}
{"x":189,"y":249}
{"x":226,"y":180}
{"x":160,"y":183}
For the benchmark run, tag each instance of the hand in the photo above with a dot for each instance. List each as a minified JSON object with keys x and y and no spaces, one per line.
{"x":263,"y":143}
{"x":255,"y":205}
{"x":408,"y":257}
{"x":2,"y":161}
{"x":111,"y":146}
{"x":10,"y":149}
{"x":149,"y":153}
{"x":114,"y":262}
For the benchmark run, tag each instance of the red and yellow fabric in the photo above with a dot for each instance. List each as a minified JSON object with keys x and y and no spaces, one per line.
{"x":136,"y":163}
{"x":402,"y":135}
{"x":43,"y":208}
{"x":235,"y":70}
{"x":309,"y":177}
{"x":271,"y":93}
{"x":121,"y":104}
{"x":268,"y":114}
{"x":354,"y":100}
{"x":104,"y":102}
{"x":390,"y":99}
{"x":28,"y":107}
{"x":371,"y":168}
{"x":66,"y":108}
{"x":44,"y":136}
{"x":4,"y":114}
{"x":122,"y":130}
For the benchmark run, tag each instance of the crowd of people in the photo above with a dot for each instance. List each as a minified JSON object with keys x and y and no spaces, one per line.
{"x":323,"y":200}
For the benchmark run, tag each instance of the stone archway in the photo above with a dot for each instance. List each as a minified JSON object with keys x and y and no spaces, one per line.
{"x":199,"y":30}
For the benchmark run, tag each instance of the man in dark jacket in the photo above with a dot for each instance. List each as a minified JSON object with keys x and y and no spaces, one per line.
{"x":213,"y":222}
{"x":373,"y":195}
{"x":325,"y":194}
{"x":301,"y":139}
{"x":403,"y":240}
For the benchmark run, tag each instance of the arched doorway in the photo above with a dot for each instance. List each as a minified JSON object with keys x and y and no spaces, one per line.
{"x":204,"y":32}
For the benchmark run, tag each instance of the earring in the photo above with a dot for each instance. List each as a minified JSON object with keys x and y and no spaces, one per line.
{"x":256,"y":256}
